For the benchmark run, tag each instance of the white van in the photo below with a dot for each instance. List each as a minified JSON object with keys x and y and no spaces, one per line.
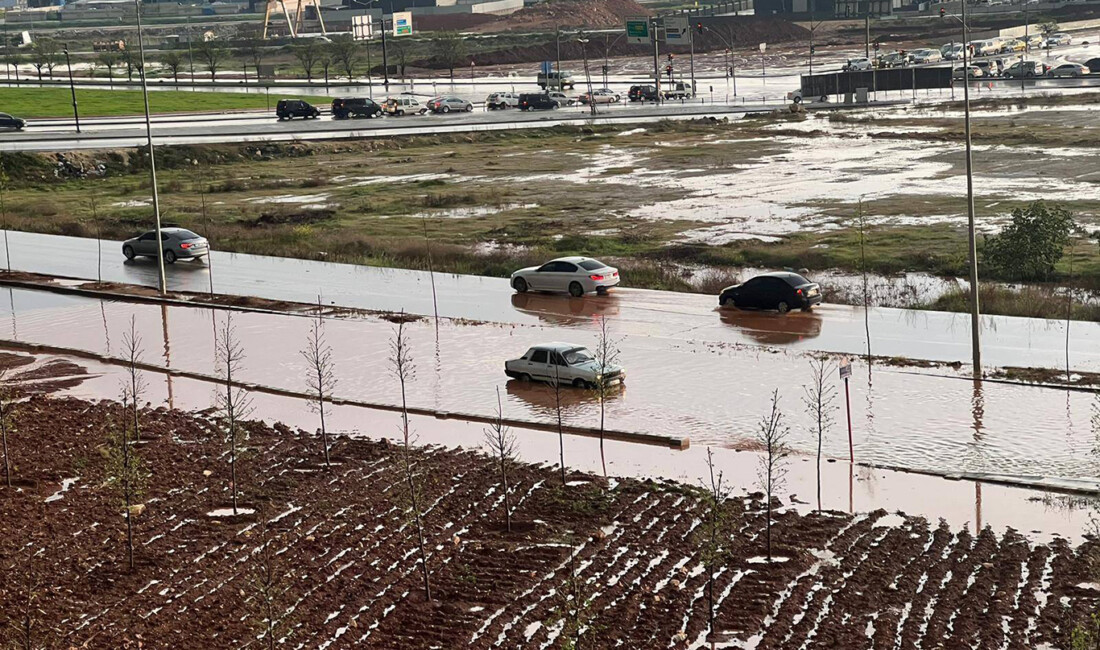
{"x":677,"y":90}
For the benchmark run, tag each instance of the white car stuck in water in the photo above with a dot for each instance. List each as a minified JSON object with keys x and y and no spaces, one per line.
{"x":577,"y":275}
{"x":564,"y":363}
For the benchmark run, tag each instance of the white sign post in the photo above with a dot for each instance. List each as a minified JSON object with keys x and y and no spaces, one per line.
{"x":846,"y":374}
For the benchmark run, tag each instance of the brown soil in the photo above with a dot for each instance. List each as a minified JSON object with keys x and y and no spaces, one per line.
{"x":345,"y":555}
{"x":547,"y":16}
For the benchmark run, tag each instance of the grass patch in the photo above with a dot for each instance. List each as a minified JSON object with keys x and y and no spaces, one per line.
{"x":1028,"y":301}
{"x":57,"y":102}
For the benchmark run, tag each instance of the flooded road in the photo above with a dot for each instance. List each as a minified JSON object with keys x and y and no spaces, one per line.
{"x":690,"y":319}
{"x":713,"y":393}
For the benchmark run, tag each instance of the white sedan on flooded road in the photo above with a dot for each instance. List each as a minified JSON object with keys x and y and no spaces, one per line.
{"x":564,"y":363}
{"x":577,"y":275}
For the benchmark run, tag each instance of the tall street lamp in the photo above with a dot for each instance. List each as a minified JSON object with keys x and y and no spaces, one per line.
{"x":162,"y":283}
{"x":583,"y":40}
{"x":72,"y":88}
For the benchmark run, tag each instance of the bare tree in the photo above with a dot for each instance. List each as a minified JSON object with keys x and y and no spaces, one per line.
{"x":449,"y":50}
{"x":404,"y":370}
{"x":713,"y":536}
{"x":4,"y":211}
{"x":26,"y":617}
{"x":109,"y":60}
{"x":321,"y":375}
{"x":269,"y":585}
{"x":431,"y":272}
{"x":772,"y":472}
{"x":212,"y":57}
{"x":98,"y":242}
{"x":174,"y":62}
{"x":502,"y":442}
{"x":345,"y":51}
{"x":607,"y":356}
{"x":44,"y":54}
{"x":866,"y":282}
{"x":573,"y":609}
{"x":233,"y":402}
{"x":132,"y":62}
{"x":7,"y":420}
{"x":125,"y":472}
{"x":308,"y":54}
{"x":252,"y":52}
{"x":820,"y":400}
{"x":133,"y":385}
{"x":325,"y":60}
{"x":557,"y":393}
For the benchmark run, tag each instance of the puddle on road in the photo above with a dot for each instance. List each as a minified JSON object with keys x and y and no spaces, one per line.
{"x":710,"y":391}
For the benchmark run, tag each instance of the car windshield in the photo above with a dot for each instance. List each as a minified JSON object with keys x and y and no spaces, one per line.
{"x":578,"y":356}
{"x":592,"y":265}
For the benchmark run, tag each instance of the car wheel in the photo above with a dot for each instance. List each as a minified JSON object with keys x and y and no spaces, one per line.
{"x":525,"y":377}
{"x":128,"y":251}
{"x":783,"y":308}
{"x":575,"y":289}
{"x":808,"y":308}
{"x":724,"y":301}
{"x":520,"y":285}
{"x":400,"y":113}
{"x":169,"y":257}
{"x":601,"y":291}
{"x":797,"y":100}
{"x":469,"y":108}
{"x":446,"y":109}
{"x":580,"y":383}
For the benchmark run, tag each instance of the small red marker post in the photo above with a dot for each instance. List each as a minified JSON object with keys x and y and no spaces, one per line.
{"x":845,"y":374}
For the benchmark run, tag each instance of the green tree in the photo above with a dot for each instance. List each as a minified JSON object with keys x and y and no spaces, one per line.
{"x":252,"y":53}
{"x":345,"y":53}
{"x":449,"y":50}
{"x":125,"y":472}
{"x":308,"y":55}
{"x":1030,"y":246}
{"x":212,"y":57}
{"x":45,"y":54}
{"x":174,"y":62}
{"x":108,"y":60}
{"x":1048,"y":26}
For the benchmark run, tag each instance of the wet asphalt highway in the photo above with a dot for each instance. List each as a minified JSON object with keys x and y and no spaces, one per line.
{"x":691,"y":318}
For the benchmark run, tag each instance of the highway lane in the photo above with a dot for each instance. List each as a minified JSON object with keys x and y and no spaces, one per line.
{"x":689,"y":318}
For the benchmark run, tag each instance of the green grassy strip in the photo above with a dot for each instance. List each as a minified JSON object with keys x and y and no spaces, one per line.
{"x":57,"y":102}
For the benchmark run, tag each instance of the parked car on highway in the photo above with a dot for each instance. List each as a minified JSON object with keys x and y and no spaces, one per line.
{"x":1056,"y":40}
{"x":925,"y":55}
{"x":345,"y":107}
{"x":1028,"y":69}
{"x":563,"y":364}
{"x":856,"y":65}
{"x":288,"y":109}
{"x":561,"y":98}
{"x":1012,"y":45}
{"x":577,"y":275}
{"x":538,"y":102}
{"x":1093,"y":65}
{"x":498,"y":101}
{"x":1069,"y":69}
{"x":558,"y":80}
{"x":951,"y":51}
{"x":987,"y":47}
{"x":642,"y":93}
{"x":894,"y":60}
{"x":601,"y":96}
{"x":449,"y":103}
{"x":404,"y":106}
{"x":177,"y":243}
{"x":989,"y":68}
{"x":781,"y":291}
{"x":11,"y":122}
{"x":973,"y":72}
{"x":1036,"y":40}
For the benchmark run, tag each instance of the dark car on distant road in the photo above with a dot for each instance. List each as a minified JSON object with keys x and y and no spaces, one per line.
{"x":537,"y":101}
{"x":642,"y":93}
{"x":1093,"y":65}
{"x":11,"y":122}
{"x":290,"y":108}
{"x":345,"y":107}
{"x":782,"y":291}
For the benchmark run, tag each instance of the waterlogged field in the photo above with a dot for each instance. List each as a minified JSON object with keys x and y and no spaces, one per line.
{"x":334,"y":553}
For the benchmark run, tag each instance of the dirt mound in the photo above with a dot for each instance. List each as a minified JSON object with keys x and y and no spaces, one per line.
{"x":454,"y":22}
{"x":589,"y":14}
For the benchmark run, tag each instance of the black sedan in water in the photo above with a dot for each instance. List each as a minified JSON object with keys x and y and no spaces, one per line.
{"x":782,"y":291}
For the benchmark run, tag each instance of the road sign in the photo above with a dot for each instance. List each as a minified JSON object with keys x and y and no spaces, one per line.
{"x":763,"y":46}
{"x":845,"y":368}
{"x":546,"y":67}
{"x":402,"y":23}
{"x":676,"y":30}
{"x":362,"y":28}
{"x":637,"y":30}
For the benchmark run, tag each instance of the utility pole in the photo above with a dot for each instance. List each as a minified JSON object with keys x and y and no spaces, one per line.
{"x":656,"y":58}
{"x":975,"y":321}
{"x":72,"y":89}
{"x":557,"y":57}
{"x":162,"y":283}
{"x":867,"y":32}
{"x":385,"y":57}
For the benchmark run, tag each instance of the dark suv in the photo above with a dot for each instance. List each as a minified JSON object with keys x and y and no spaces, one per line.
{"x":642,"y":93}
{"x":345,"y":107}
{"x":536,"y":101}
{"x":290,"y":108}
{"x":781,"y":291}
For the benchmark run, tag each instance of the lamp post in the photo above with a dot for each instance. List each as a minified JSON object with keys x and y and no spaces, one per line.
{"x":72,"y":89}
{"x":583,"y":40}
{"x":607,"y":54}
{"x":731,"y":73}
{"x":161,"y":281}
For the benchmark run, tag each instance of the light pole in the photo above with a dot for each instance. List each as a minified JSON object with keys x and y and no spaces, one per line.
{"x":72,"y":89}
{"x":730,"y":61}
{"x":607,"y":54}
{"x":190,"y":54}
{"x":161,"y":281}
{"x":583,"y":40}
{"x":975,"y":321}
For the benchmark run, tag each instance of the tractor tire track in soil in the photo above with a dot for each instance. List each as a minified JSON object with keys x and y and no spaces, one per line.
{"x":348,"y":567}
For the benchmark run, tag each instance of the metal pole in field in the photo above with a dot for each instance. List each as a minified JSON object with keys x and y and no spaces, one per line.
{"x":162,"y":283}
{"x":72,"y":89}
{"x":557,"y":58}
{"x":190,"y":54}
{"x":867,"y":33}
{"x":691,"y":41}
{"x":656,"y":62}
{"x":846,"y":374}
{"x":975,"y":322}
{"x":385,"y":56}
{"x":1027,"y":46}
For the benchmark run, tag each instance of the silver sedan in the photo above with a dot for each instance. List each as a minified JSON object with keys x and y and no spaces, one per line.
{"x":177,"y":243}
{"x":577,"y":275}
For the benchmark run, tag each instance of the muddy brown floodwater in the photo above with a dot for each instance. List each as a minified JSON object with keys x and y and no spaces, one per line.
{"x":712,"y":393}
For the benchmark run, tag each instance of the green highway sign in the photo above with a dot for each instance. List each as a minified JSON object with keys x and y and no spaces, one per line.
{"x":637,"y":29}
